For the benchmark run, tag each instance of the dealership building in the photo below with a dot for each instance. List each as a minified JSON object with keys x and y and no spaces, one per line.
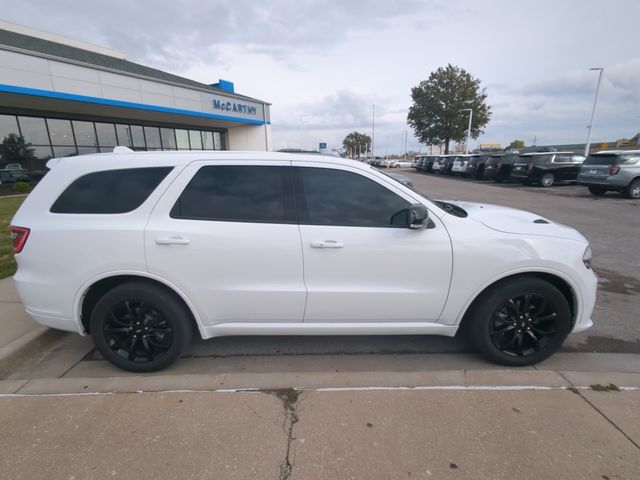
{"x":64,"y":97}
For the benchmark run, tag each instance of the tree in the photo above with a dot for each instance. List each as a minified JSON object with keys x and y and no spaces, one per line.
{"x":516,"y":144}
{"x":355,"y":143}
{"x":437,"y":115}
{"x":13,"y":149}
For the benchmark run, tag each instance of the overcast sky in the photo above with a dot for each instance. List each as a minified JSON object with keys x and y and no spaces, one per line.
{"x":323,"y":64}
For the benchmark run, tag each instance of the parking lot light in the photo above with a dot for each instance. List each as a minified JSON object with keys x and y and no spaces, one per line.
{"x":593,"y":111}
{"x":470,"y":110}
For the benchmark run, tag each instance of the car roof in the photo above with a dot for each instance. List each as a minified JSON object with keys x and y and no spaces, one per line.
{"x":616,"y":152}
{"x":125,"y":156}
{"x":529,"y":154}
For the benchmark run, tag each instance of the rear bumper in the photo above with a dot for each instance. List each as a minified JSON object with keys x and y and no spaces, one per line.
{"x":608,"y":182}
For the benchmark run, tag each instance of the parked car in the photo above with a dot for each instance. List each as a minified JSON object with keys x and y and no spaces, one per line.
{"x":460,"y":165}
{"x":547,"y":168}
{"x":617,"y":170}
{"x":14,"y":172}
{"x":437,"y":164}
{"x":428,"y":163}
{"x":447,"y":164}
{"x":142,"y":250}
{"x":416,"y":162}
{"x":498,"y":167}
{"x":476,"y":165}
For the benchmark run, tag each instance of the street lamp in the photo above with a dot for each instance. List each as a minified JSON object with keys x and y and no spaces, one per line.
{"x":470,"y":110}
{"x":593,"y":112}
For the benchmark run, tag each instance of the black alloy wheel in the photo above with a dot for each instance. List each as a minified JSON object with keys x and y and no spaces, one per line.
{"x":523,"y":325}
{"x":520,"y":321}
{"x":140,"y":327}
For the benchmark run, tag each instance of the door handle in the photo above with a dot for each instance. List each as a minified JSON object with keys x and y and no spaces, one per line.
{"x":172,"y":241}
{"x":327,"y":244}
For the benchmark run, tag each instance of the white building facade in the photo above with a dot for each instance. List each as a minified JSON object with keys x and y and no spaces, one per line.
{"x":61,"y":97}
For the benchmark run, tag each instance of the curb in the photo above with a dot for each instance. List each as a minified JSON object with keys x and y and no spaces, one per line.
{"x":19,"y":349}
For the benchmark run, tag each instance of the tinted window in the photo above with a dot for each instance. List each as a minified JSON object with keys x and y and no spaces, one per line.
{"x":236,"y":194}
{"x":110,"y":191}
{"x":612,"y":159}
{"x":536,"y":158}
{"x":337,"y":197}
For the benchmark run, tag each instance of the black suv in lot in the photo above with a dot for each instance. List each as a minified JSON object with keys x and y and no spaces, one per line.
{"x":547,"y":168}
{"x":498,"y":167}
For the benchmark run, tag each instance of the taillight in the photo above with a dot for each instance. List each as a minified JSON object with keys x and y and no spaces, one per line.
{"x":614,"y":169}
{"x":19,"y":237}
{"x":529,"y":167}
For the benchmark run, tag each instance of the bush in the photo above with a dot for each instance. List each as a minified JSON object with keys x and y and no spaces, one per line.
{"x":21,"y":187}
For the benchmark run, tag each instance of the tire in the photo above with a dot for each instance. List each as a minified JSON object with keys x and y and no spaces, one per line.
{"x":633,"y":190}
{"x":140,"y":327}
{"x":597,"y":190}
{"x":547,"y":180}
{"x":540,"y":326}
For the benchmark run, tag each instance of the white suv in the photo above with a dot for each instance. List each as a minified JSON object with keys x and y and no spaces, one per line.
{"x":142,"y":249}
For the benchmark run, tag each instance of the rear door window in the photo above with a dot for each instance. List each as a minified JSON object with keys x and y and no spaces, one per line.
{"x":238,"y":193}
{"x":110,"y":191}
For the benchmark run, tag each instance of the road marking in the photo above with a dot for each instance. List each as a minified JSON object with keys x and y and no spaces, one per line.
{"x":480,"y":388}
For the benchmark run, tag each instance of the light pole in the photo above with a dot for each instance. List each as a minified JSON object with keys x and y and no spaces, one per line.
{"x":470,"y":110}
{"x":593,"y":112}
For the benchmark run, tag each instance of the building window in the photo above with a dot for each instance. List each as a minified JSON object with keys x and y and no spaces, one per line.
{"x":124,"y":136}
{"x":207,"y":140}
{"x":85,"y":134}
{"x":60,"y":132}
{"x":182,"y":137}
{"x":34,"y":130}
{"x":168,"y":137}
{"x":106,"y":135}
{"x":137,"y":135}
{"x":195,"y":140}
{"x":152,"y":135}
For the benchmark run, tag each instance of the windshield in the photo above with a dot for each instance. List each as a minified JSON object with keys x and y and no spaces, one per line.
{"x":612,"y":159}
{"x":494,"y":160}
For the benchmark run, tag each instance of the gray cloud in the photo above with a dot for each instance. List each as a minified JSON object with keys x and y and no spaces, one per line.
{"x":179,"y":32}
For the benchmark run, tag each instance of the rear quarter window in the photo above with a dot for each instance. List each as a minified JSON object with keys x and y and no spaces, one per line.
{"x":110,"y":191}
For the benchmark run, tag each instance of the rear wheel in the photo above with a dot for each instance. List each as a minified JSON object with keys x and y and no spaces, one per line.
{"x":597,"y":190}
{"x":547,"y":179}
{"x":521,"y":322}
{"x":633,"y":190}
{"x":140,"y":327}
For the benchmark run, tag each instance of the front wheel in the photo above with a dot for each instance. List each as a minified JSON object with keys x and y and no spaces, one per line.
{"x":633,"y":190}
{"x":521,"y":322}
{"x":547,"y":179}
{"x":140,"y":327}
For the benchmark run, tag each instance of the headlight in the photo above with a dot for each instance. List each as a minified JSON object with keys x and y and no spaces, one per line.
{"x":587,"y":256}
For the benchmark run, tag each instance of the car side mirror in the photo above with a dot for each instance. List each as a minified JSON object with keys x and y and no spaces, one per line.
{"x":416,"y":217}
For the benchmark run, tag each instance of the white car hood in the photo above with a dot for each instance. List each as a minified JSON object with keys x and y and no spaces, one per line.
{"x":511,"y":220}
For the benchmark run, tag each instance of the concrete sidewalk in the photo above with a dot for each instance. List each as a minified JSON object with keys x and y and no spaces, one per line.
{"x":20,"y":336}
{"x":486,"y":433}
